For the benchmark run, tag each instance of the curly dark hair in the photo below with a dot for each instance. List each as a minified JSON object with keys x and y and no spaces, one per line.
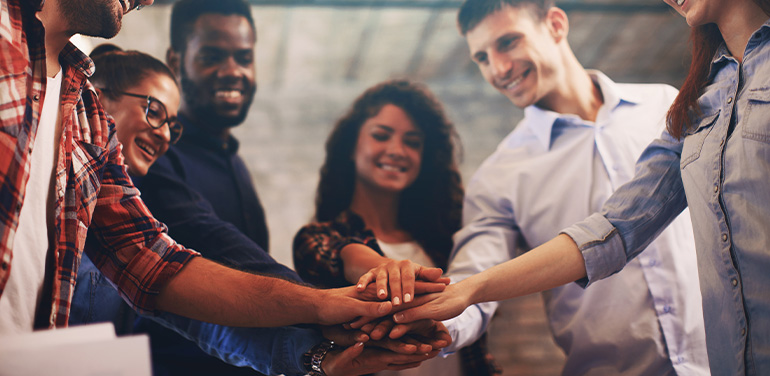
{"x":430,"y":209}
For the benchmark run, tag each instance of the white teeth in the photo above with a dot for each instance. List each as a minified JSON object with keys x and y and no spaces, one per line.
{"x":388,"y":167}
{"x":679,"y":2}
{"x":228,"y":94}
{"x":147,"y":148}
{"x":515,"y":82}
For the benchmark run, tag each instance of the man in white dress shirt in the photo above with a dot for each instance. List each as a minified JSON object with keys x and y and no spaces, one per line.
{"x":579,"y":140}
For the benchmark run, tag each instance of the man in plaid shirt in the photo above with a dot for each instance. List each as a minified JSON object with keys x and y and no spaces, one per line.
{"x":76,"y":179}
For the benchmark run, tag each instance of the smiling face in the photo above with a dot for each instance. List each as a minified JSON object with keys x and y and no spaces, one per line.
{"x":517,"y":54}
{"x":218,"y":74}
{"x":388,"y":153}
{"x":142,"y":145}
{"x":700,"y":12}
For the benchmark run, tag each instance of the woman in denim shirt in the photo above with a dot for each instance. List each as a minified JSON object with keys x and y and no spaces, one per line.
{"x":714,"y":159}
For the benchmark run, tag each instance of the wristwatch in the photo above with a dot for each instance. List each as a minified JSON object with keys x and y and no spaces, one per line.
{"x":315,"y":356}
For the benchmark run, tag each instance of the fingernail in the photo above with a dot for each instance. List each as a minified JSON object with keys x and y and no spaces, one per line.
{"x":360,"y":286}
{"x":407,"y":298}
{"x":398,"y":317}
{"x":359,"y":344}
{"x":382,"y":292}
{"x":396,"y":301}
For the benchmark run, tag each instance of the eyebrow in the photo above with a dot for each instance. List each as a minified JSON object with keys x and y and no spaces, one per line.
{"x":391,"y":130}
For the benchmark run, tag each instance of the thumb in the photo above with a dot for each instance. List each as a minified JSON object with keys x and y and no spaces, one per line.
{"x":341,"y":361}
{"x":375,"y":309}
{"x":429,"y":274}
{"x":352,"y":352}
{"x":409,"y":315}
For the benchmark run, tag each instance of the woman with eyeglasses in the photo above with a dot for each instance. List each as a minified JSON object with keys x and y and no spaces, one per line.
{"x":142,"y":95}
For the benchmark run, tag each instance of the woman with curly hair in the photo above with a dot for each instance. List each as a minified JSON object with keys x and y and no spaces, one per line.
{"x":389,"y":190}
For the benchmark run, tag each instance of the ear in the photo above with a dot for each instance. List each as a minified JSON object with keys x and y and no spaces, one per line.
{"x":173,"y":60}
{"x":558,"y":24}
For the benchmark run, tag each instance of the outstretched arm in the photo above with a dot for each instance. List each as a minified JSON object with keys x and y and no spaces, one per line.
{"x":206,"y":291}
{"x":552,"y":264}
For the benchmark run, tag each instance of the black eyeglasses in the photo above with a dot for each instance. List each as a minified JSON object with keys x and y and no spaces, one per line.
{"x":156,"y":115}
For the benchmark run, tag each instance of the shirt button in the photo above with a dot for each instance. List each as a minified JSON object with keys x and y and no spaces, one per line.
{"x":743,"y":331}
{"x":729,"y":100}
{"x":666,"y":309}
{"x":735,"y":282}
{"x":716,"y":188}
{"x":722,"y":142}
{"x":36,"y":97}
{"x":724,"y":237}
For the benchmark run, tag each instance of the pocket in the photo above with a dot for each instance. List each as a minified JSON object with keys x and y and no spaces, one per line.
{"x":693,"y":141}
{"x":756,"y":119}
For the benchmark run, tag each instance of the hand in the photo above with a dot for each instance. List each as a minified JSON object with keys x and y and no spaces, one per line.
{"x":441,"y":306}
{"x":429,"y":331}
{"x":335,"y":306}
{"x":400,"y":276}
{"x":358,"y":360}
{"x":421,"y":290}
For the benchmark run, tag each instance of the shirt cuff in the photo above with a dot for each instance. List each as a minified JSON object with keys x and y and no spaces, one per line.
{"x":466,"y":328}
{"x":601,"y":245}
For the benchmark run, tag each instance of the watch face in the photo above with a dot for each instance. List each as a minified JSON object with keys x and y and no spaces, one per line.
{"x":317,"y":355}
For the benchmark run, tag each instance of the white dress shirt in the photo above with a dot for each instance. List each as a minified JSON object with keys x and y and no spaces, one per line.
{"x":552,"y":171}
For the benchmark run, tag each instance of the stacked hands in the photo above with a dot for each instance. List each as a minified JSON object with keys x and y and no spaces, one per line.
{"x":396,"y":332}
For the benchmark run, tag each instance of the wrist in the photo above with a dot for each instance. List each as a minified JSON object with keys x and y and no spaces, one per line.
{"x":469,"y":290}
{"x":314,"y":358}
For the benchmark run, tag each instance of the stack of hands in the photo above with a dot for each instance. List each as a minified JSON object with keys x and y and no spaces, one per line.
{"x":369,"y":344}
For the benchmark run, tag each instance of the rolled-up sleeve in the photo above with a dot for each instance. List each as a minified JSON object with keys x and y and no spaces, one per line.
{"x":136,"y":253}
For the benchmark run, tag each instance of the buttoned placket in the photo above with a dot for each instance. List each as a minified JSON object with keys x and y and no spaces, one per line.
{"x":727,"y":129}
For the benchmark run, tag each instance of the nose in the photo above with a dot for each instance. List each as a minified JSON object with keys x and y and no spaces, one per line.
{"x":230,"y":68}
{"x":395,"y":149}
{"x":164,"y":133}
{"x":500,"y":65}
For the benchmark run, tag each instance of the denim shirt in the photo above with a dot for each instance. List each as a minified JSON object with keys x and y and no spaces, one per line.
{"x":723,"y":177}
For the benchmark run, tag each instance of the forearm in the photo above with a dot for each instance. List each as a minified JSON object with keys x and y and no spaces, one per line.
{"x":206,"y":291}
{"x":268,"y":350}
{"x":358,"y":259}
{"x":555,"y":263}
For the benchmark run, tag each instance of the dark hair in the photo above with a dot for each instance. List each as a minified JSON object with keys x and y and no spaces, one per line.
{"x":430,"y":209}
{"x":472,"y":12}
{"x":186,"y":12}
{"x":118,"y":70}
{"x":705,"y":40}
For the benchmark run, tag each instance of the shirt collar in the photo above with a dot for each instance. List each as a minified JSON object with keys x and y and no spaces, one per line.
{"x":195,"y":135}
{"x":722,"y":55}
{"x":541,"y":122}
{"x":71,"y":55}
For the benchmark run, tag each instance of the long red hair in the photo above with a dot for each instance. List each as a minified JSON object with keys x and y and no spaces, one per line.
{"x":705,"y":40}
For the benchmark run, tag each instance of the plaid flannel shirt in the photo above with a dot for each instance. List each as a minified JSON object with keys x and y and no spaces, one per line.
{"x":92,"y":187}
